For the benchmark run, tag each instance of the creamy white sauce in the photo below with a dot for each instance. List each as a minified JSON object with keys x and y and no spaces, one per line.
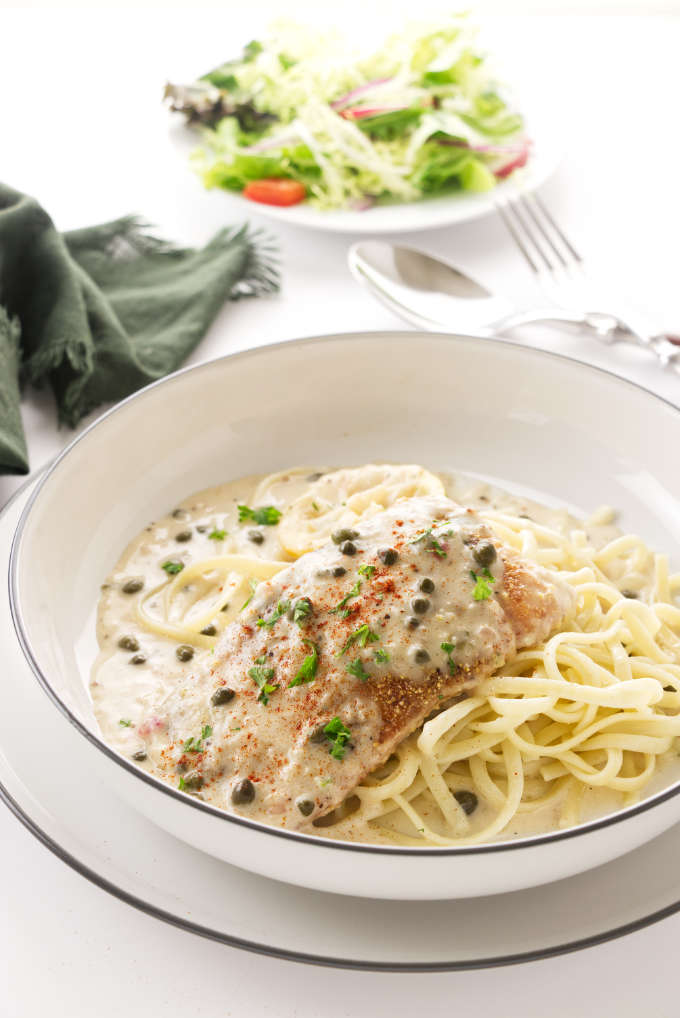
{"x":135,"y":703}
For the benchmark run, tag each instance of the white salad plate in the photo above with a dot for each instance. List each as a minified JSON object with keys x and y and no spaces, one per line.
{"x":547,"y":149}
{"x":408,"y":217}
{"x":532,"y":422}
{"x":112,"y":845}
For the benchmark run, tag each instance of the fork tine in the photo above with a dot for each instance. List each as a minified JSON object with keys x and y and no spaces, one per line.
{"x":529,"y":209}
{"x":560,"y":233}
{"x":510,"y":227}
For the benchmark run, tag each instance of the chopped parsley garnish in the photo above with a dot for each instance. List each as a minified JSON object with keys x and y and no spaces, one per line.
{"x":261,"y":676}
{"x":338,"y":735}
{"x":362,"y":636}
{"x":125,"y":723}
{"x":302,"y":611}
{"x":217,"y":535}
{"x":448,"y":649}
{"x":252,"y":583}
{"x":172,"y":567}
{"x":194,"y":745}
{"x":433,"y":543}
{"x":265,"y":515}
{"x":307,"y":670}
{"x":182,"y":784}
{"x":366,"y":570}
{"x":281,"y":609}
{"x":482,"y":591}
{"x":436,"y":547}
{"x":356,"y":668}
{"x":354,"y":592}
{"x":381,"y":656}
{"x":315,"y":507}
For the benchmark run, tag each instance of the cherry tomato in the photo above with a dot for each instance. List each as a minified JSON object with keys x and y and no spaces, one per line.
{"x":275,"y":191}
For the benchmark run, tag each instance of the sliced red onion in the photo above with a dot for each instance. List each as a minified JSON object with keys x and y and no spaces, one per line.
{"x":360,"y":112}
{"x":367,"y":201}
{"x":514,"y":164}
{"x":349,"y":96}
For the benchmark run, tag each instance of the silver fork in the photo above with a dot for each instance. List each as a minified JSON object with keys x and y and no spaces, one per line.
{"x":561,"y":272}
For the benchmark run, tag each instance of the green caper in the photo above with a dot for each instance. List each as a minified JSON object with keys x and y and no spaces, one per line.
{"x":427,"y":585}
{"x":669,"y":689}
{"x":225,"y":607}
{"x":209,"y":630}
{"x":243,"y":792}
{"x":179,"y":514}
{"x":306,"y":806}
{"x":411,"y":622}
{"x":630,"y":594}
{"x":420,"y":605}
{"x":222,"y":695}
{"x":184,"y":652}
{"x":201,"y":528}
{"x":318,"y":735}
{"x":133,"y":585}
{"x":467,"y":800}
{"x":419,"y":655}
{"x":348,"y":548}
{"x":183,"y":536}
{"x":139,"y":755}
{"x":128,"y":643}
{"x":137,"y":659}
{"x":255,"y":536}
{"x":338,"y":571}
{"x":388,"y":556}
{"x":193,"y":780}
{"x":484,"y":554}
{"x":344,"y":534}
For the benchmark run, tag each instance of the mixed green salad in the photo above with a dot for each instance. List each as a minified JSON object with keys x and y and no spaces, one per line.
{"x":299,"y":118}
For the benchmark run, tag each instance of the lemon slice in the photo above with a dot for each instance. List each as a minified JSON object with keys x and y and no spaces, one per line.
{"x":343,"y":497}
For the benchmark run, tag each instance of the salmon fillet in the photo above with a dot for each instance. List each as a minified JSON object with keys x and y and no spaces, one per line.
{"x":345,"y":652}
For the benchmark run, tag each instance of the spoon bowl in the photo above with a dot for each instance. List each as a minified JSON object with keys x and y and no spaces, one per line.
{"x":424,"y":290}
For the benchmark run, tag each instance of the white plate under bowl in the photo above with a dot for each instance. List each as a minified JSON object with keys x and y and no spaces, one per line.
{"x":528,"y":420}
{"x":115,"y":847}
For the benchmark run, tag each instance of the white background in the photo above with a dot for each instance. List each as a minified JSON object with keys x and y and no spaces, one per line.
{"x":82,"y":129}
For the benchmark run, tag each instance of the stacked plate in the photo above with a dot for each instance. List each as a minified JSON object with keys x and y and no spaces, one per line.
{"x":527,"y":420}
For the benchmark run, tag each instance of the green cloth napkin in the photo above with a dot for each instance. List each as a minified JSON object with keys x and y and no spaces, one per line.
{"x":99,"y":312}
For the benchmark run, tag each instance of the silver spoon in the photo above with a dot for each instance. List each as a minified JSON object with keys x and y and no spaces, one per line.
{"x":434,"y":294}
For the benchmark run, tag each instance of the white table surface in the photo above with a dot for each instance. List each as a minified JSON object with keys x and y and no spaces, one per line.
{"x":83,"y":130}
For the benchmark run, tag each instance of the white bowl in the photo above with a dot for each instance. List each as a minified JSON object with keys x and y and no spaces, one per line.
{"x":531,"y":421}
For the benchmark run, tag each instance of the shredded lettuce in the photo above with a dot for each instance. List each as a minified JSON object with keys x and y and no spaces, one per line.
{"x":420,"y":117}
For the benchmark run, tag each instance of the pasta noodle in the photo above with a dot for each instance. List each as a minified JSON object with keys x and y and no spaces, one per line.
{"x":596,"y":706}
